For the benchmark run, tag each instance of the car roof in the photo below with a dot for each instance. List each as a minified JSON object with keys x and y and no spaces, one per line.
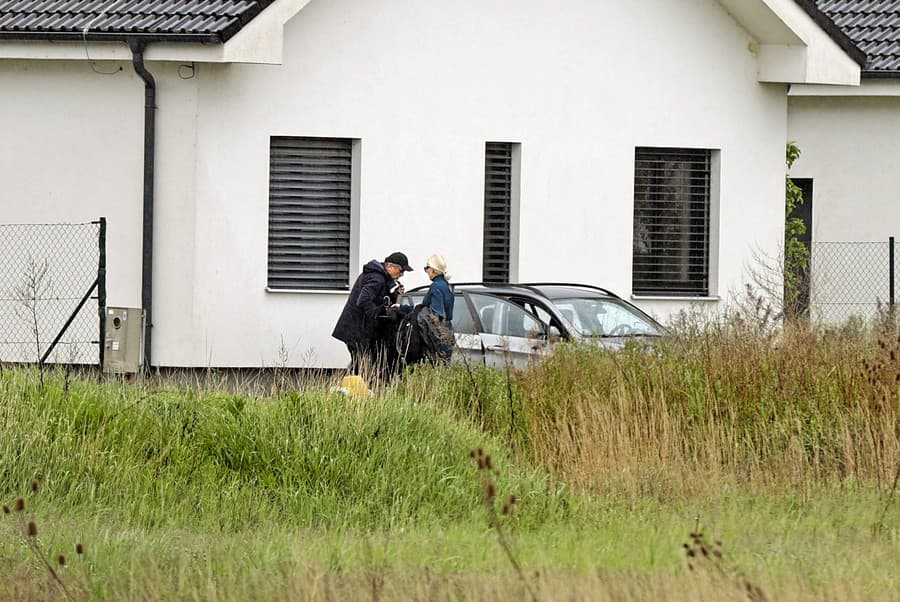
{"x":484,"y":287}
{"x":550,"y":290}
{"x":569,"y":291}
{"x":491,"y":289}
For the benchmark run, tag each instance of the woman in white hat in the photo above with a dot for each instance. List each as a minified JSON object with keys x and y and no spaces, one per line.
{"x":439,"y":297}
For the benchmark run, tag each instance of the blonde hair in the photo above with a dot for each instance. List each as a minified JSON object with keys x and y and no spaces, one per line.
{"x":436,"y":262}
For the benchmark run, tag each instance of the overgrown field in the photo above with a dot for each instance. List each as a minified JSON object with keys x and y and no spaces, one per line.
{"x":724,"y":464}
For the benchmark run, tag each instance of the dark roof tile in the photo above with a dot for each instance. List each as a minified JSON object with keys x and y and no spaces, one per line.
{"x":185,"y":19}
{"x":873,"y":25}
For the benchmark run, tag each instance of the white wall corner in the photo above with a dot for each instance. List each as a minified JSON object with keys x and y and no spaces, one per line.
{"x":790,"y":46}
{"x":826,"y":62}
{"x":780,"y":63}
{"x":262,"y":40}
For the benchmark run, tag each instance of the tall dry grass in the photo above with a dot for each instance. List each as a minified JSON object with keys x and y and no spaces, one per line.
{"x":724,"y":405}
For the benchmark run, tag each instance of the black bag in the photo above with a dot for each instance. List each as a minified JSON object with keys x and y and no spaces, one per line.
{"x":421,"y":335}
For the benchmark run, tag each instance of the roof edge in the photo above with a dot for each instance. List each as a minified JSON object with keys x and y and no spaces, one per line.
{"x":867,"y":88}
{"x":97,"y":36}
{"x":256,"y":38}
{"x":245,"y":18}
{"x":120,"y":36}
{"x":880,"y":74}
{"x":834,"y":32}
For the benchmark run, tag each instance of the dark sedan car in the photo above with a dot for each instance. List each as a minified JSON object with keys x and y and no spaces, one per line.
{"x":501,"y":323}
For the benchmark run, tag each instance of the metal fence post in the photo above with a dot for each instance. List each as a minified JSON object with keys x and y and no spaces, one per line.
{"x":891,"y":276}
{"x":101,"y":288}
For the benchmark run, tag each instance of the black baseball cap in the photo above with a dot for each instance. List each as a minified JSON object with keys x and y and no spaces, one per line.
{"x":398,"y":258}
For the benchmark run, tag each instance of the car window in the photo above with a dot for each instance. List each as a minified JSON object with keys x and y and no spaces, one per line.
{"x":412,"y":299}
{"x":605,"y":317}
{"x":542,"y":314}
{"x":463,"y":322}
{"x":536,"y":310}
{"x":501,"y":317}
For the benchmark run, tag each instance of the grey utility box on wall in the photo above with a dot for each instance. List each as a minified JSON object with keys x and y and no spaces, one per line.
{"x":123,"y":349}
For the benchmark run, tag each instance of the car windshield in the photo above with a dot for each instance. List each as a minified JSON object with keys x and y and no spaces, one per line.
{"x":605,"y":317}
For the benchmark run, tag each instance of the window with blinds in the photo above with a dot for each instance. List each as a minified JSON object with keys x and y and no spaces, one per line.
{"x":671,"y":221}
{"x":497,"y":211}
{"x":309,"y":213}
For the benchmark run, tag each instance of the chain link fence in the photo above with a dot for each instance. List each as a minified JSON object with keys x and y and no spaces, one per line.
{"x":851,"y":279}
{"x":52,"y":284}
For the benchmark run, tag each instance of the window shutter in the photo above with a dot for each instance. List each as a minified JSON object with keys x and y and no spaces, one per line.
{"x":497,"y":211}
{"x":309,"y":213}
{"x":671,"y":221}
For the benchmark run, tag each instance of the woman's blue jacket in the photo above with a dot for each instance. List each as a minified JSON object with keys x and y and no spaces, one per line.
{"x":440,"y":299}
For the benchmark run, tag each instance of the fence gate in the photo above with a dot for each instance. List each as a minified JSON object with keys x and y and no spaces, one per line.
{"x":852,"y":279}
{"x":52,"y":291}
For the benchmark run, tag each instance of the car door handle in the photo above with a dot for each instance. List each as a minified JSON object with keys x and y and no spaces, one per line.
{"x":497,"y":348}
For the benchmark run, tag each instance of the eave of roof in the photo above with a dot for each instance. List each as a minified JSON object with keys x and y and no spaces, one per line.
{"x":203,"y":31}
{"x":880,"y":74}
{"x":96,"y":36}
{"x":795,"y":43}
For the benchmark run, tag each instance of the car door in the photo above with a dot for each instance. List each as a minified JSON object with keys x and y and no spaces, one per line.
{"x":465,"y":330}
{"x":509,"y":334}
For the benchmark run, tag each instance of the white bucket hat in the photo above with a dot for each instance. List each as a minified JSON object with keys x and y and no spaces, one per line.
{"x":436,"y":262}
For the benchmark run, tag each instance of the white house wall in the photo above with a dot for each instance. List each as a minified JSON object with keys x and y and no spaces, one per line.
{"x":56,"y":123}
{"x":73,"y":143}
{"x":850,"y":147}
{"x":422,"y":86}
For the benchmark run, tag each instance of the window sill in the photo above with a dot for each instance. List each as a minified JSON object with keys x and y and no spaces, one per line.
{"x":310,"y":291}
{"x":710,"y":298}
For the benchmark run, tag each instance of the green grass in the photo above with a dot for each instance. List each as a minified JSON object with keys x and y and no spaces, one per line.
{"x":222,"y":462}
{"x":785,"y":545}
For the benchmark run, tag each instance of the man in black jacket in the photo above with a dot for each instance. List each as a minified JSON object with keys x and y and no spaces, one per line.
{"x":369,"y":299}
